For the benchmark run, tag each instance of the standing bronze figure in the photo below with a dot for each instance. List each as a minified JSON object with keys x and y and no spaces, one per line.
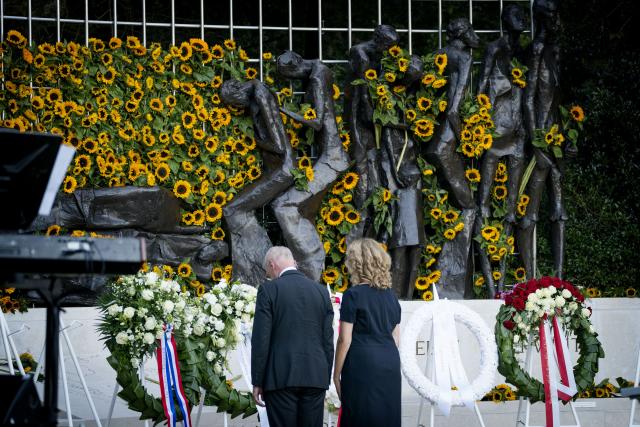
{"x":359,"y":114}
{"x":542,"y":98}
{"x":249,"y":240}
{"x":296,"y":210}
{"x":507,"y":113}
{"x":441,"y":152}
{"x":401,"y":175}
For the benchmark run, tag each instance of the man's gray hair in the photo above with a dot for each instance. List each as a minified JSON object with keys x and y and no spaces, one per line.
{"x":276,"y":254}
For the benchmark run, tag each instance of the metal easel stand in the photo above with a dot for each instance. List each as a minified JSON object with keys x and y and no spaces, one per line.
{"x":634,"y":402}
{"x":63,"y":331}
{"x":430,"y":368}
{"x":117,"y":388}
{"x":527,"y":405}
{"x":9,"y":345}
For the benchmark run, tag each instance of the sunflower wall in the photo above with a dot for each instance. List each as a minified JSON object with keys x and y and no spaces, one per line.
{"x":152,"y":116}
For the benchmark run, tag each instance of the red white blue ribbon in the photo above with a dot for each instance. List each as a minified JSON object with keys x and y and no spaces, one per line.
{"x":554,"y":390}
{"x":171,"y":389}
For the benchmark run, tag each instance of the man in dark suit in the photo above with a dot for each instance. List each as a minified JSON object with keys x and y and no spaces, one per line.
{"x":291,"y":344}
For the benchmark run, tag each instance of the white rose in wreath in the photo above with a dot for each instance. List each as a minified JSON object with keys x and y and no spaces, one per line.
{"x":148,"y":338}
{"x":167,"y":306}
{"x":114,"y":309}
{"x":122,"y":338}
{"x":151,"y":278}
{"x":129,"y":312}
{"x":198,"y":329}
{"x":150,"y":323}
{"x":216,"y":309}
{"x":147,"y":294}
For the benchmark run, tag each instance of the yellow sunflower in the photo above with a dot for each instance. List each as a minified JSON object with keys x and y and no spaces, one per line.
{"x":424,"y":104}
{"x":182,"y":189}
{"x":310,"y":114}
{"x":350,"y":180}
{"x":184,"y":270}
{"x":213,"y":212}
{"x":472,"y":174}
{"x":69,"y":185}
{"x":370,"y":74}
{"x":422,"y":283}
{"x":427,"y":296}
{"x":335,"y":216}
{"x":577,"y":113}
{"x":500,"y":192}
{"x":352,"y":217}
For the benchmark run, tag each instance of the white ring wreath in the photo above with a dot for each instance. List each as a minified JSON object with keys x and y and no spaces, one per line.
{"x":488,"y":353}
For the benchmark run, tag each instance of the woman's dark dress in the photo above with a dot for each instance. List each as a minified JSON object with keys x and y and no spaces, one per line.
{"x":370,"y":378}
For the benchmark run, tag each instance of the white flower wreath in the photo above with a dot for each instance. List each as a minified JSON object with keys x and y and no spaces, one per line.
{"x":488,"y":353}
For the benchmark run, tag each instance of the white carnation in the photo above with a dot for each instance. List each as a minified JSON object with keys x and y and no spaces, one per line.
{"x":122,"y":338}
{"x":551,"y":290}
{"x":148,"y":338}
{"x":165,"y":286}
{"x":129,"y":312}
{"x":210,"y":356}
{"x":585,"y":312}
{"x":566,"y":293}
{"x":559,"y":301}
{"x":131,"y":291}
{"x":167,"y":306}
{"x":530,"y":306}
{"x":217,"y":369}
{"x":147,"y":294}
{"x":246,"y":317}
{"x":516,"y":338}
{"x":239,"y":305}
{"x":533,"y":297}
{"x":218,"y":325}
{"x":220,"y":343}
{"x":180,"y":305}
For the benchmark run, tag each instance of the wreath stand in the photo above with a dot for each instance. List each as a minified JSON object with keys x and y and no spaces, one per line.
{"x":527,"y":406}
{"x":9,"y":345}
{"x":634,"y":402}
{"x":116,"y":389}
{"x":429,"y":367}
{"x":430,"y":370}
{"x":63,"y":371}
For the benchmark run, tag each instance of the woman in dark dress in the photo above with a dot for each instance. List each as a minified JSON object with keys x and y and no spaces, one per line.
{"x":367,"y":368}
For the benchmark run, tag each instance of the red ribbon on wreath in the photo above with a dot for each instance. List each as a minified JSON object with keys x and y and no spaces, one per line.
{"x":554,"y":390}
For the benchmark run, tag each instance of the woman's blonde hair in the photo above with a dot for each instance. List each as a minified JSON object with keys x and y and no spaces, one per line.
{"x":367,"y":262}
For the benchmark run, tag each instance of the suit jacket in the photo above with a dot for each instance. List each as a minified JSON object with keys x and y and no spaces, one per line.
{"x":292,"y":339}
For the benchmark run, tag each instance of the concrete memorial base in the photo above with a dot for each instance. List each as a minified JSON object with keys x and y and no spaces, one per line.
{"x":615,"y":319}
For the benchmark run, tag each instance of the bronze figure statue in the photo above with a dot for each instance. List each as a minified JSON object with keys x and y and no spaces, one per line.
{"x":507,"y":113}
{"x":441,"y":152}
{"x":249,"y":240}
{"x":542,"y":97}
{"x":296,"y":209}
{"x":401,"y":175}
{"x":358,"y":113}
